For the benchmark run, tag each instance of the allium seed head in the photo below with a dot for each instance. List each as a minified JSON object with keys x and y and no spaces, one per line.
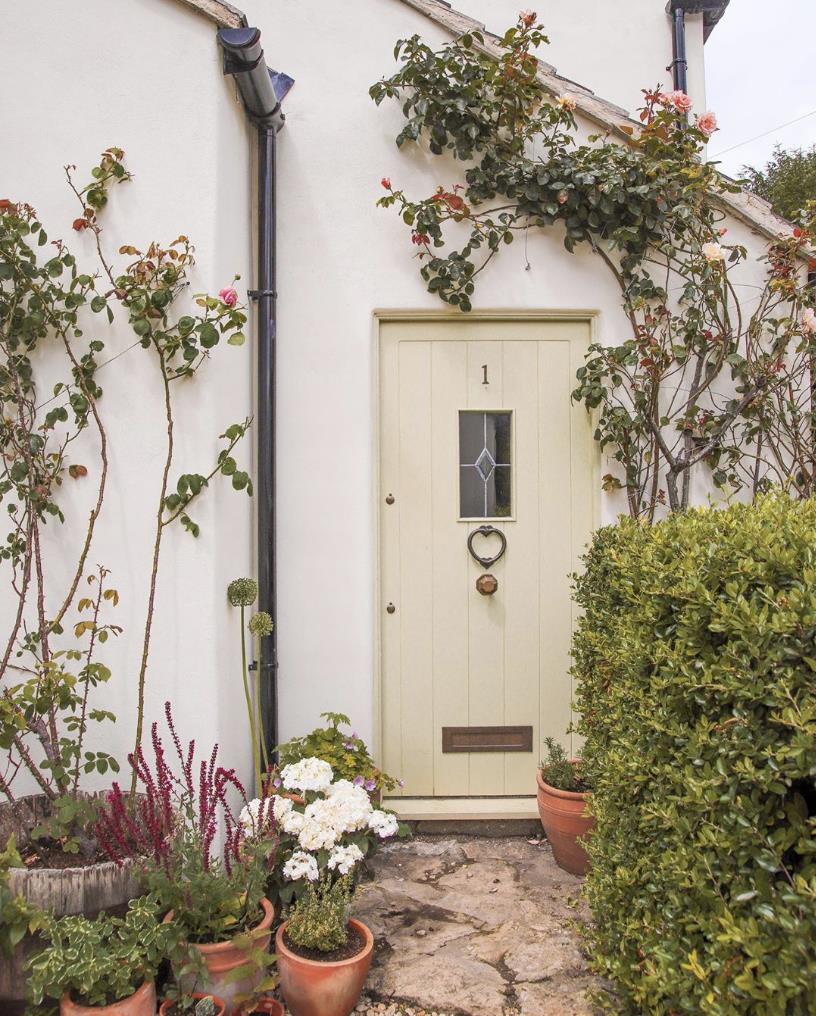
{"x":260,"y":624}
{"x":242,"y":592}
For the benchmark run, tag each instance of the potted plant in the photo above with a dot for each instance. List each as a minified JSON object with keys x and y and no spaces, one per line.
{"x":346,"y":753}
{"x":195,"y":1004}
{"x":562,"y":806}
{"x":215,"y":900}
{"x":323,"y":955}
{"x":105,"y":966}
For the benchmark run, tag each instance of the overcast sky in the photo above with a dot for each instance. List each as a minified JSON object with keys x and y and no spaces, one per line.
{"x":760,"y":74}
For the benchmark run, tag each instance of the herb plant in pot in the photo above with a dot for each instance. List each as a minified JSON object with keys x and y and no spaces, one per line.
{"x":215,"y":900}
{"x":562,"y":805}
{"x":323,"y":955}
{"x":102,"y":967}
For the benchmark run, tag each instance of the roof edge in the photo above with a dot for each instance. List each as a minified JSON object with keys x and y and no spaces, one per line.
{"x":712,"y":11}
{"x":222,"y":14}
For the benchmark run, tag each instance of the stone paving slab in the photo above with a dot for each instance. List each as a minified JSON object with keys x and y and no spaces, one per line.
{"x":474,"y":927}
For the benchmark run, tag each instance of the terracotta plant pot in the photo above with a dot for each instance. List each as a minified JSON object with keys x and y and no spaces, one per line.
{"x":166,"y":1008}
{"x":315,"y":988}
{"x":221,"y":958}
{"x":267,"y":1007}
{"x":564,"y":817}
{"x":140,"y":1003}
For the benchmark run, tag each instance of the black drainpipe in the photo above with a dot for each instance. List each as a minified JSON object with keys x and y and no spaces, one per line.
{"x":262,"y":91}
{"x":679,"y":64}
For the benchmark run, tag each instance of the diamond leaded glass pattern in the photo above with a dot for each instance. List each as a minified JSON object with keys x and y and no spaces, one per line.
{"x":485,"y":471}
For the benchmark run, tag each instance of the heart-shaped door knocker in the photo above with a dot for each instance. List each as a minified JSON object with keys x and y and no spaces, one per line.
{"x":486,"y":562}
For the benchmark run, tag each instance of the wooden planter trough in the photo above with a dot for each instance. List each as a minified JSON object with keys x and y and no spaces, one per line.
{"x":105,"y":886}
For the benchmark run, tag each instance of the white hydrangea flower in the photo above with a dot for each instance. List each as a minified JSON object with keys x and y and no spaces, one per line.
{"x":281,"y":806}
{"x":384,"y":824}
{"x":349,"y":805}
{"x":307,"y":774}
{"x":254,"y":816}
{"x":317,"y":831}
{"x":292,"y":822}
{"x":301,"y":865}
{"x":344,"y":858}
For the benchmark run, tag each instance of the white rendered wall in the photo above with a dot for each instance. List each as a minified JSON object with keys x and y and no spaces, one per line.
{"x":340,"y":259}
{"x":145,"y":75}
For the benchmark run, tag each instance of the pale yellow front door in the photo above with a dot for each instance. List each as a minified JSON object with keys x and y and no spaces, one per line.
{"x":478,"y":430}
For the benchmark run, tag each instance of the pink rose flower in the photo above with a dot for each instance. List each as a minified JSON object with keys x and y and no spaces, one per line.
{"x":707,"y":123}
{"x":809,"y":320}
{"x":228,"y":296}
{"x":680,"y":101}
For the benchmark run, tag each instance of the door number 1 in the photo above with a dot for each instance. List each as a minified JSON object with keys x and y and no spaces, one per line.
{"x":484,"y":374}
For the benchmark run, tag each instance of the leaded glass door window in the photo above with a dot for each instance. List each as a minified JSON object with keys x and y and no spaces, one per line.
{"x":485,"y":464}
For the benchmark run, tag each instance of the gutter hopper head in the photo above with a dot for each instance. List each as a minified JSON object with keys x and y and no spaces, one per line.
{"x":262,"y":90}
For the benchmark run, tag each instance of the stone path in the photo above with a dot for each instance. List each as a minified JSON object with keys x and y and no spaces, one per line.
{"x":474,"y":927}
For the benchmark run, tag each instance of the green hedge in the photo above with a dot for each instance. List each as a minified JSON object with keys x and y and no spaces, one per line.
{"x":695,"y":661}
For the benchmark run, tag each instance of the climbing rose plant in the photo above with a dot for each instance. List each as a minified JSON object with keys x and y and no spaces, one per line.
{"x":706,"y":375}
{"x":50,"y":304}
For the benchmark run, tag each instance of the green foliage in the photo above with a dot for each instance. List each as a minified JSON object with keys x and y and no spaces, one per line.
{"x":185,"y":1003}
{"x":708,"y":375}
{"x":320,"y":917}
{"x":696,"y":681}
{"x":788,"y":180}
{"x":346,"y":753}
{"x":101,"y":961}
{"x":558,"y":771}
{"x":17,"y":916}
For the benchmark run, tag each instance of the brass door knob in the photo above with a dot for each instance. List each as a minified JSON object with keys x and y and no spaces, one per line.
{"x":487,"y":584}
{"x":390,"y":608}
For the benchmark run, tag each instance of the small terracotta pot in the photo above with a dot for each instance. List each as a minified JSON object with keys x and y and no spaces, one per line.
{"x":166,"y":1008}
{"x":564,"y":817}
{"x":220,"y":958}
{"x":140,"y":1003}
{"x":267,"y":1007}
{"x":314,"y":988}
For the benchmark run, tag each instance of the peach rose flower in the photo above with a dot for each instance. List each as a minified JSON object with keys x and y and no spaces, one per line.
{"x":707,"y":123}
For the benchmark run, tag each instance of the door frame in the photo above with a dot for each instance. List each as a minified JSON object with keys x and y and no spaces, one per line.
{"x":454,"y":807}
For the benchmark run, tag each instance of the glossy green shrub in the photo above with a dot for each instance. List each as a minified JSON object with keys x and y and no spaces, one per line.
{"x":695,"y":660}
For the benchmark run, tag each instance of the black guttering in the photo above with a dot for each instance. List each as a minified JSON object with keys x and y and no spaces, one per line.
{"x":262,"y":91}
{"x":712,"y":11}
{"x":679,"y":64}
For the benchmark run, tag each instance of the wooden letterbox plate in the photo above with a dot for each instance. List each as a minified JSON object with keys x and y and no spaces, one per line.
{"x":486,"y":739}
